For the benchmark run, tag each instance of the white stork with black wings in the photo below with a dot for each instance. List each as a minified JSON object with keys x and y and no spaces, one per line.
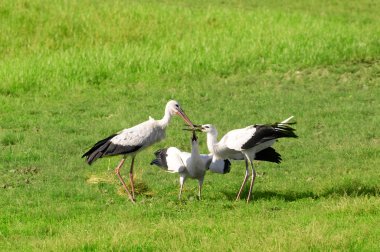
{"x":189,"y":165}
{"x":250,"y":143}
{"x":129,"y":142}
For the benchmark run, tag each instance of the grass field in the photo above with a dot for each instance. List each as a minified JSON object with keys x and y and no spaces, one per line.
{"x":73,"y":72}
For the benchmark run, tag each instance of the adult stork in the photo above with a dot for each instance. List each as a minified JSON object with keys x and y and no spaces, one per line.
{"x":189,"y":165}
{"x":131,"y":141}
{"x":247,"y":143}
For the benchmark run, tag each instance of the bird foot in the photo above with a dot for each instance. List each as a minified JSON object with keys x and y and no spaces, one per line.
{"x":133,"y":201}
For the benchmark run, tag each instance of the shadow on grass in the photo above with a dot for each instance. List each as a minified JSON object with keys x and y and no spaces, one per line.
{"x":140,"y":189}
{"x":354,"y":189}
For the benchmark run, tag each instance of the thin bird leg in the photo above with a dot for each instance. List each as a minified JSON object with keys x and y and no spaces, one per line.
{"x":131,"y":177}
{"x":117,"y":171}
{"x":181,"y":182}
{"x":252,"y":182}
{"x":245,"y":179}
{"x":199,"y":192}
{"x":200,"y":183}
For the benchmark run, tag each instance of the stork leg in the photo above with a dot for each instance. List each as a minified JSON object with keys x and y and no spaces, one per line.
{"x":252,"y":182}
{"x":181,"y":182}
{"x":245,"y":179}
{"x":131,"y":177}
{"x":200,"y":183}
{"x":117,"y":171}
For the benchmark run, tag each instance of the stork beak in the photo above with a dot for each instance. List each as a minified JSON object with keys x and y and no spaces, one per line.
{"x":182,"y":114}
{"x":193,"y":129}
{"x":198,"y":128}
{"x":195,"y":125}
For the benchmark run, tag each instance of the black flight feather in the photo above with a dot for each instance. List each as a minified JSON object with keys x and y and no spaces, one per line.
{"x":227,"y":166}
{"x":105,"y":148}
{"x":97,"y":145}
{"x":267,"y":132}
{"x":160,"y":159}
{"x":269,"y":154}
{"x":116,"y":149}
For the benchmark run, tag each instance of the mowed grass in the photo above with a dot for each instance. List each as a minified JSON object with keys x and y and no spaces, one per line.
{"x":73,"y":73}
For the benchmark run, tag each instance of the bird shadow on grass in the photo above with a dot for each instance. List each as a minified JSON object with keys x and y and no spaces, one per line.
{"x":141,"y":189}
{"x":354,"y":189}
{"x":103,"y":182}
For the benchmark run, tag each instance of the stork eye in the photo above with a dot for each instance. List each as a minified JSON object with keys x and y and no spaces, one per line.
{"x":177,"y":106}
{"x":207,"y":127}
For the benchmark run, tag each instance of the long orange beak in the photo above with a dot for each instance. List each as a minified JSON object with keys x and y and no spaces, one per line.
{"x":182,"y":114}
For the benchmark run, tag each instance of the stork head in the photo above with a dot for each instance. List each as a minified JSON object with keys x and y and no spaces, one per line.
{"x":208,"y":128}
{"x":173,"y":108}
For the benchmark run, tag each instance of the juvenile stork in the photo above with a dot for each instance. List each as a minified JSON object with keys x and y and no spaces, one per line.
{"x":189,"y":165}
{"x":252,"y":142}
{"x":131,"y":141}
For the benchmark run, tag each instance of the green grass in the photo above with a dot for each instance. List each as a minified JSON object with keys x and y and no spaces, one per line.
{"x":72,"y":73}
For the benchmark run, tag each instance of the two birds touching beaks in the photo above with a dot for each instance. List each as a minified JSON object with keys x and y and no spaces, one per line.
{"x":250,"y":143}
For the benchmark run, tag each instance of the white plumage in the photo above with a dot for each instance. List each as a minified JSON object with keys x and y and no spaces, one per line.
{"x":129,"y":142}
{"x":249,"y":143}
{"x":189,"y":165}
{"x":143,"y":134}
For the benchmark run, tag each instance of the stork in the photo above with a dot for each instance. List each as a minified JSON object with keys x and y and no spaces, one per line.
{"x":248,"y":143}
{"x":189,"y":165}
{"x":131,"y":141}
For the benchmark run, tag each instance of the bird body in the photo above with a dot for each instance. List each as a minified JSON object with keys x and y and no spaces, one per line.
{"x":249,"y":143}
{"x":188,"y":165}
{"x":249,"y":140}
{"x":131,"y":141}
{"x":128,"y":141}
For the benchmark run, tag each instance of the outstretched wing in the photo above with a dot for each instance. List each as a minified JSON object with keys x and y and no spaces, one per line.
{"x":170,"y":159}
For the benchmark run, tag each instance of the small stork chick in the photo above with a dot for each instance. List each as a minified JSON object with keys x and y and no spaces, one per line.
{"x":188,"y":165}
{"x":250,"y":143}
{"x":131,"y":141}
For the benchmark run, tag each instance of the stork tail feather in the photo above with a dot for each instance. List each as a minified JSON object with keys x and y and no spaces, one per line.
{"x":288,"y":121}
{"x":284,"y":130}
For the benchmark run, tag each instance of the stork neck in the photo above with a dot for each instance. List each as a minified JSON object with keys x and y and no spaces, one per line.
{"x":164,"y":122}
{"x":212,"y":141}
{"x":194,"y":148}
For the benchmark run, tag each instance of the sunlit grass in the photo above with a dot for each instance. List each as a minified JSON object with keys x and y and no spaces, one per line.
{"x":72,"y":73}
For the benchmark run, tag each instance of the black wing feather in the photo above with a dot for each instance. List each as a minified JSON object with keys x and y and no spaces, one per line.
{"x":97,"y":145}
{"x":269,"y":154}
{"x":105,"y":148}
{"x":267,"y":132}
{"x":227,"y":166}
{"x":160,"y":158}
